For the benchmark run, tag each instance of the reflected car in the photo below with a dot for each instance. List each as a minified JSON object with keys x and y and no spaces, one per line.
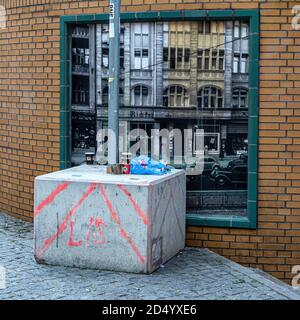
{"x":232,"y":175}
{"x":243,"y":159}
{"x":210,"y":163}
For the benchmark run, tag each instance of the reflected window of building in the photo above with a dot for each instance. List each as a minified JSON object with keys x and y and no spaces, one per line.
{"x":177,"y":58}
{"x":177,"y":52}
{"x":80,"y":93}
{"x":214,"y":59}
{"x":105,"y":96}
{"x":240,"y":63}
{"x":212,"y":143}
{"x":241,"y":47}
{"x":176,"y":96}
{"x":204,"y":27}
{"x":236,"y":29}
{"x":105,"y":33}
{"x":240,"y":98}
{"x":175,"y":64}
{"x":140,"y":96}
{"x":206,"y":59}
{"x":105,"y":57}
{"x":80,"y":50}
{"x":122,"y":34}
{"x":200,"y":59}
{"x":244,"y":63}
{"x":187,"y":53}
{"x":141,"y":42}
{"x":221,"y":59}
{"x":210,"y":97}
{"x":210,"y":59}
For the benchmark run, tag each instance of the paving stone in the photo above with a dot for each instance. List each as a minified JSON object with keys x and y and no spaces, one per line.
{"x":193,"y":274}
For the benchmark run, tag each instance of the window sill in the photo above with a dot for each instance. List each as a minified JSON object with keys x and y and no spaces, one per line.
{"x":220,"y":221}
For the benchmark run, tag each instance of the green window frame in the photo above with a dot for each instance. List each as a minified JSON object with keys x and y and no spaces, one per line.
{"x":249,"y":222}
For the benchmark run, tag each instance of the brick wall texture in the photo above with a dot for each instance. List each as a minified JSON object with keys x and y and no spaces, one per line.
{"x":29,"y":121}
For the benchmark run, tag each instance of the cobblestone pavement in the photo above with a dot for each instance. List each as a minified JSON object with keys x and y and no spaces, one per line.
{"x":193,"y":274}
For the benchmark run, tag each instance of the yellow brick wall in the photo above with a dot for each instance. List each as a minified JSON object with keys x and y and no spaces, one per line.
{"x":29,"y":120}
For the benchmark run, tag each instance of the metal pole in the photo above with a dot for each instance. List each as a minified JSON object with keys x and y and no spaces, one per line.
{"x":113,"y":82}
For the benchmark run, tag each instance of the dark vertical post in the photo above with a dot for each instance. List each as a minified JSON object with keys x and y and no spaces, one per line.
{"x":113,"y":82}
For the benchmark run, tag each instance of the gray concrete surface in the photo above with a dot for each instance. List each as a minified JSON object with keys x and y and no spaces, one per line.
{"x":193,"y":274}
{"x":87,"y":218}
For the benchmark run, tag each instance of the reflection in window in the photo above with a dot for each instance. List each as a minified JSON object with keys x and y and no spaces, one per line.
{"x":240,"y":63}
{"x":204,"y":27}
{"x":210,"y":97}
{"x":211,"y":143}
{"x":177,"y":44}
{"x":240,"y":98}
{"x":236,"y":32}
{"x":105,"y":57}
{"x":80,"y":93}
{"x":179,"y":57}
{"x":105,"y":96}
{"x":241,"y":29}
{"x":141,"y":46}
{"x":188,"y":64}
{"x":140,"y":96}
{"x":206,"y":59}
{"x":221,"y":59}
{"x":214,"y":59}
{"x":210,"y":59}
{"x":176,"y":96}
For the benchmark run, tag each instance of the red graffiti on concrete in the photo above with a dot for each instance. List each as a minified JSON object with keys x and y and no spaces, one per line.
{"x":138,"y":210}
{"x":50,"y":198}
{"x":72,"y":242}
{"x":63,"y":226}
{"x":117,"y":220}
{"x":97,"y":222}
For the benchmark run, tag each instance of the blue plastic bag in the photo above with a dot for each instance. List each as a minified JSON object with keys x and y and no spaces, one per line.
{"x":145,"y":165}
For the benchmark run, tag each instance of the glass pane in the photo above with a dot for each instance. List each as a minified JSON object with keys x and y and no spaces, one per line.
{"x":236,"y":64}
{"x":137,"y":40}
{"x":185,"y":73}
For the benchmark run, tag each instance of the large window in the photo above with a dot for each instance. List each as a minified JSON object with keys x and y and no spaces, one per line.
{"x":141,"y":52}
{"x":174,"y":76}
{"x":240,"y":98}
{"x":177,"y":49}
{"x":176,"y":96}
{"x":211,"y":59}
{"x":210,"y":97}
{"x":140,"y":96}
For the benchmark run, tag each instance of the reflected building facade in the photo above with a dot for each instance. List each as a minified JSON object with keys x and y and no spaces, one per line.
{"x":174,"y":75}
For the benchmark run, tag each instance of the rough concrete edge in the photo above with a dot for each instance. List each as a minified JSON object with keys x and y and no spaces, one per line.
{"x":159,"y":178}
{"x":275,"y":284}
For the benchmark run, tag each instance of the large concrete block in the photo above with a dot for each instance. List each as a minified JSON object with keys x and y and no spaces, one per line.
{"x":86,"y":218}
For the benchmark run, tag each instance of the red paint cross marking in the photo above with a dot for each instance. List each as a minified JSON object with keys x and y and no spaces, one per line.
{"x":63,"y":226}
{"x":60,"y":188}
{"x":117,"y":220}
{"x":138,"y":210}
